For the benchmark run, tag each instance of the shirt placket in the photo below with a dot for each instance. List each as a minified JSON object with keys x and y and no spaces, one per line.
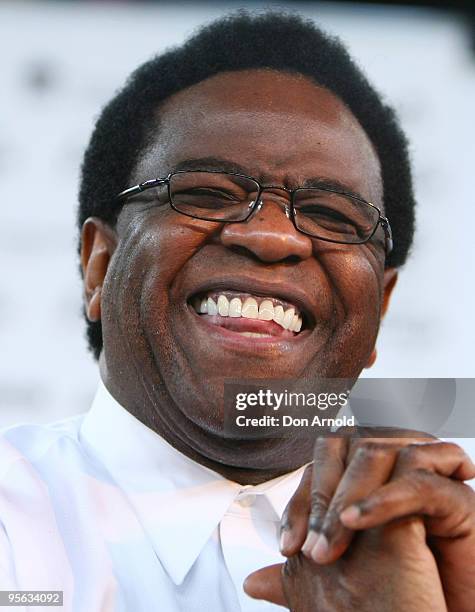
{"x":249,"y":541}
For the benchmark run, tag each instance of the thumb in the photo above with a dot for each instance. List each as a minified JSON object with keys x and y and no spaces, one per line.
{"x":266,"y":583}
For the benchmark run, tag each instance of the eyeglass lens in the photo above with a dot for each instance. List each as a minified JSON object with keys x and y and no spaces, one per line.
{"x":319,"y":213}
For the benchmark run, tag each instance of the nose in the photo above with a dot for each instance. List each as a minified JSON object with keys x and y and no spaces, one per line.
{"x":269,"y":234}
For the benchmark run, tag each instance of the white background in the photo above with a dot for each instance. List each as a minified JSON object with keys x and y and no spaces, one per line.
{"x":60,"y":63}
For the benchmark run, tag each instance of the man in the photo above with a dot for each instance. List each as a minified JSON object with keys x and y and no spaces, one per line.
{"x":234,"y":212}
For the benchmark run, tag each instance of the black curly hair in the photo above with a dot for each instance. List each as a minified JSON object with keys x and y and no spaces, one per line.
{"x":239,"y":41}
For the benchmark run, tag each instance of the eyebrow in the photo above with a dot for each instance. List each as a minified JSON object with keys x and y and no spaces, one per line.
{"x":211,"y":163}
{"x":214,"y":163}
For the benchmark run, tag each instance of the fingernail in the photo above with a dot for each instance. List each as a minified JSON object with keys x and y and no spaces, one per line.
{"x":350,"y":514}
{"x":320,"y":550}
{"x":309,"y":543}
{"x":285,"y":540}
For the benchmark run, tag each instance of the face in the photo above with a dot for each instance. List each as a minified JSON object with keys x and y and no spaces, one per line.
{"x":147,"y":277}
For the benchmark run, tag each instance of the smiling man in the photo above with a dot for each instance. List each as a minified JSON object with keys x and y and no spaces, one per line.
{"x":239,"y":202}
{"x":189,"y":302}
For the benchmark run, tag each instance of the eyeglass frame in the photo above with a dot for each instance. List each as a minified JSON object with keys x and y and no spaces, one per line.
{"x":257,"y":203}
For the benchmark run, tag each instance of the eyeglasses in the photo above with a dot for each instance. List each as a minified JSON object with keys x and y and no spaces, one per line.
{"x":227,"y":197}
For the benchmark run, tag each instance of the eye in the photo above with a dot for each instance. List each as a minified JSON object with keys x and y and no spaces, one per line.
{"x":211,"y":192}
{"x":319,"y":211}
{"x":337,"y":216}
{"x":327,"y":218}
{"x":204,"y":198}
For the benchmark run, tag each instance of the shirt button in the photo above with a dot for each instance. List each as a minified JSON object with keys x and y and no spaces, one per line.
{"x":247,"y":500}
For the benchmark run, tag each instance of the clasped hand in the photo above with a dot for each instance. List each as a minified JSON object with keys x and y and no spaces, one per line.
{"x":377,"y":524}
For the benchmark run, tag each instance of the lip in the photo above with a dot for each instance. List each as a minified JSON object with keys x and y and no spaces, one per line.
{"x":261,"y":288}
{"x":237,"y":341}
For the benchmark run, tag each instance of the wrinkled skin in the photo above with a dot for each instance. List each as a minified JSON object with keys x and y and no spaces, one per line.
{"x":363,"y":494}
{"x":389,"y":569}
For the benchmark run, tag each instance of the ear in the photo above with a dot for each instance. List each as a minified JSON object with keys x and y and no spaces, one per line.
{"x":98,"y":242}
{"x":389,"y":281}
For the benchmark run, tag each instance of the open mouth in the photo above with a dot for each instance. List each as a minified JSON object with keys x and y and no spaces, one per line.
{"x":250,"y":315}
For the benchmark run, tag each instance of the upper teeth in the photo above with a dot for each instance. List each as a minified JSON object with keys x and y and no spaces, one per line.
{"x":249,"y":309}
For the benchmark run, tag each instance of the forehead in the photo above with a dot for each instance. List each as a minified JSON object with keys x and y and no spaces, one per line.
{"x":281,"y":128}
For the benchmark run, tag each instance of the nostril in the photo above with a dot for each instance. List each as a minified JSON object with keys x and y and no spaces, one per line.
{"x":291,"y":259}
{"x":255,"y":256}
{"x":241,"y":250}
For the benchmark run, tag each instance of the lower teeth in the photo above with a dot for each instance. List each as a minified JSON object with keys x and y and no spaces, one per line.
{"x":254,"y":335}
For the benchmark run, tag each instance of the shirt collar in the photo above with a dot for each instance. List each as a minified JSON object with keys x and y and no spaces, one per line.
{"x":178,"y":502}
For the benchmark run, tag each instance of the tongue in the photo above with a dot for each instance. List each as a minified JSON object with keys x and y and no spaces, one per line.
{"x":241,"y":324}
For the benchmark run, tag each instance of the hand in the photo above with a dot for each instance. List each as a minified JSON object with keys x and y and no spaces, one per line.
{"x":362,"y":483}
{"x":387,"y":569}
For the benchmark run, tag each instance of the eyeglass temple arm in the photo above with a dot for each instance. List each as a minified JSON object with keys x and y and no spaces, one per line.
{"x":388,"y":234}
{"x":131,"y":191}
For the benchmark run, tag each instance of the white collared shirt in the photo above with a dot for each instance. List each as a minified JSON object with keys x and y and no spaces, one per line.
{"x":101,"y":507}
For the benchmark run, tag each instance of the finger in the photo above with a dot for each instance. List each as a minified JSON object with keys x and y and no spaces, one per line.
{"x":449,"y":504}
{"x":394,"y":434}
{"x":294,"y":521}
{"x":329,"y":466}
{"x":369,"y":468}
{"x":266,"y":583}
{"x":444,"y":458}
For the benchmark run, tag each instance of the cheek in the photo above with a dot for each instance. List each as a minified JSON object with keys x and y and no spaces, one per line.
{"x":356,"y":279}
{"x":149,"y":256}
{"x":156,"y":247}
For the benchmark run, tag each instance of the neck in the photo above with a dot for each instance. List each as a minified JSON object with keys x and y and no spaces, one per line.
{"x":245,"y":461}
{"x":241,"y":474}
